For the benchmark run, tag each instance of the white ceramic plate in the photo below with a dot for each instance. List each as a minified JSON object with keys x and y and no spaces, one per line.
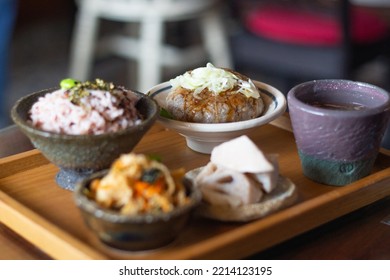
{"x":203,"y":137}
{"x":282,"y":196}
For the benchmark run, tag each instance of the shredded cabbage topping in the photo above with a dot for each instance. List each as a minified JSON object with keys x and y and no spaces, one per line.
{"x":216,"y":80}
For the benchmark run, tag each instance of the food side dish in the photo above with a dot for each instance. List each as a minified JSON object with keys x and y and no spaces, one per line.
{"x":213,"y":95}
{"x":238,"y":174}
{"x":138,"y":184}
{"x":85,"y":108}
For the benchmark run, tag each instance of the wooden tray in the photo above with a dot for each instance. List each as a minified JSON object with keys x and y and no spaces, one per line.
{"x":32,"y":205}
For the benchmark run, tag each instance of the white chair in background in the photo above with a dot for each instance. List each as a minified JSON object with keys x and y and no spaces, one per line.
{"x":148,"y":49}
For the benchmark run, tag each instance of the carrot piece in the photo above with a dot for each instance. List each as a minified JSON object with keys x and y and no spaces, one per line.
{"x":145,"y":189}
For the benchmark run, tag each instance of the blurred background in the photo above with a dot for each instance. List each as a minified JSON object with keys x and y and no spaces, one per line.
{"x":140,"y":43}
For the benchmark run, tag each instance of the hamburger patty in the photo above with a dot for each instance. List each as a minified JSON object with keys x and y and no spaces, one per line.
{"x":213,"y":95}
{"x":206,"y":107}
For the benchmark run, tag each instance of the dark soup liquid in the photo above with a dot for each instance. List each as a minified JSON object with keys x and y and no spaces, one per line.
{"x":338,"y":106}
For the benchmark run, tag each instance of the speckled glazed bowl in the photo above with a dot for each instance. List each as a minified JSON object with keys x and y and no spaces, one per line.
{"x":80,"y":155}
{"x":203,"y":137}
{"x":134,"y":233}
{"x":338,"y":127}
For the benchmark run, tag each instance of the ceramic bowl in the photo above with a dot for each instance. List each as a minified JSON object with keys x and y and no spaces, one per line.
{"x":203,"y":137}
{"x":138,"y":232}
{"x":80,"y":155}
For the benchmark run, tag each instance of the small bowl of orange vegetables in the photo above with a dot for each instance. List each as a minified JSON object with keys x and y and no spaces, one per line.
{"x":138,"y":204}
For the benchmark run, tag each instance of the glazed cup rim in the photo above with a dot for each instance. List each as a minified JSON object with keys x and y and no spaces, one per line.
{"x":293,"y":99}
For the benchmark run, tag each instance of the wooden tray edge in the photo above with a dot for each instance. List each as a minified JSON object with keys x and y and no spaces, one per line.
{"x":54,"y":241}
{"x":21,"y":162}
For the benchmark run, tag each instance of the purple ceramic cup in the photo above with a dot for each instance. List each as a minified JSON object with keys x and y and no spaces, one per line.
{"x":338,"y":127}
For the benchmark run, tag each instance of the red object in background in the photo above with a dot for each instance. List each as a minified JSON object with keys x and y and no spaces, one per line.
{"x":310,"y":28}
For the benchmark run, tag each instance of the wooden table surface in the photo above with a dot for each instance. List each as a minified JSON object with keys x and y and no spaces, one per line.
{"x":362,"y":234}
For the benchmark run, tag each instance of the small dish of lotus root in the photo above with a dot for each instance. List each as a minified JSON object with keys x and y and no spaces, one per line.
{"x":240,"y":183}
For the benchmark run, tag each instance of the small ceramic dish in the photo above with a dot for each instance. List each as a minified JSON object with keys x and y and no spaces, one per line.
{"x":282,"y":196}
{"x":134,"y":233}
{"x":78,"y":156}
{"x":203,"y":137}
